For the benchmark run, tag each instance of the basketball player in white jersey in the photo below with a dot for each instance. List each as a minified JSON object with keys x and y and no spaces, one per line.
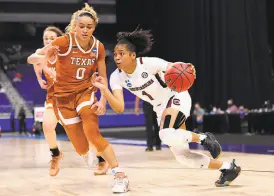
{"x":143,"y":76}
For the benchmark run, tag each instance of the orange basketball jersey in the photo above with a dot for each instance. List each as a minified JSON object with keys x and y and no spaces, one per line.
{"x":74,"y":66}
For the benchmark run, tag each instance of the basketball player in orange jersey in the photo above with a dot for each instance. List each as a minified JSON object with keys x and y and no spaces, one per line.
{"x":49,"y":118}
{"x":79,"y":55}
{"x":143,"y":76}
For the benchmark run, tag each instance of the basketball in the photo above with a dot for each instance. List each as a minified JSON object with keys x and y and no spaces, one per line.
{"x":180,"y":76}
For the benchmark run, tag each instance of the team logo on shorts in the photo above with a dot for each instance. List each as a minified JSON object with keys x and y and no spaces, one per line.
{"x":176,"y":101}
{"x":128,"y":83}
{"x":144,"y":75}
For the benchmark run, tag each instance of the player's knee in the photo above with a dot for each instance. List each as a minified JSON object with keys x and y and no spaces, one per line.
{"x":80,"y":146}
{"x":175,"y":137}
{"x":82,"y":149}
{"x":49,"y":121}
{"x":49,"y":125}
{"x":165,"y":135}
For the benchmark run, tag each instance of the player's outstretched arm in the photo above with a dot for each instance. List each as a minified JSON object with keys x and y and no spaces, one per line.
{"x":38,"y":71}
{"x":36,"y":58}
{"x":101,"y":105}
{"x":42,"y":55}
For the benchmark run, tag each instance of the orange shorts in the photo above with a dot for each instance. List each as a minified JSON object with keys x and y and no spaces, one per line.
{"x":79,"y":120}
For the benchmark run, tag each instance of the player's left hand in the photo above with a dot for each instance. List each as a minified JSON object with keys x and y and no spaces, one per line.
{"x":98,"y":81}
{"x":101,"y":108}
{"x":52,"y":52}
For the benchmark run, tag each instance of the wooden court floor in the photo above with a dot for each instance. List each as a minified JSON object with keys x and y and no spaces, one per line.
{"x":24,"y":172}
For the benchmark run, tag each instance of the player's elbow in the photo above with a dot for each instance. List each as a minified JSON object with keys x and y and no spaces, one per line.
{"x":32,"y":60}
{"x":120,"y":109}
{"x":29,"y":60}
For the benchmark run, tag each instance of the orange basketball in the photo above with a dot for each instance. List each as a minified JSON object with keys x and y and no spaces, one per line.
{"x":180,"y":76}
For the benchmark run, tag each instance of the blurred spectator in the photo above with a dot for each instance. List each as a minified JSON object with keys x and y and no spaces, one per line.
{"x":267,"y":105}
{"x":15,"y":53}
{"x":22,"y":121}
{"x":17,"y":78}
{"x":2,"y":90}
{"x":216,"y":110}
{"x":198,"y":114}
{"x":36,"y":128}
{"x":4,"y":61}
{"x":242,"y":112}
{"x":152,"y":128}
{"x":12,"y":120}
{"x":232,"y":108}
{"x":10,"y":57}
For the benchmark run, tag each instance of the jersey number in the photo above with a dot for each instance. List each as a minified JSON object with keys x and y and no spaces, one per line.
{"x":148,"y":95}
{"x":80,"y":73}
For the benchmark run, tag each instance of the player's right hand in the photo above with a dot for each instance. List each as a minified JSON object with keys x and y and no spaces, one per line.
{"x":43,"y":84}
{"x":193,"y":69}
{"x":52,"y":52}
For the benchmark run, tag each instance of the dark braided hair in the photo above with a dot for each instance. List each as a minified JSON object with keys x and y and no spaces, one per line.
{"x":139,"y":41}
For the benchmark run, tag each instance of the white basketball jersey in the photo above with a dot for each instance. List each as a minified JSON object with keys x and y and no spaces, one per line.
{"x":146,"y":82}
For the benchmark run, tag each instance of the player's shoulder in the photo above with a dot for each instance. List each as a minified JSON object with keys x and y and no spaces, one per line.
{"x":115,"y":76}
{"x":149,"y":60}
{"x":99,"y":42}
{"x":99,"y":45}
{"x":116,"y":73}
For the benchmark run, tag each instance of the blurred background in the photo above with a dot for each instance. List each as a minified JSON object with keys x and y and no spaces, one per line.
{"x":230,"y":43}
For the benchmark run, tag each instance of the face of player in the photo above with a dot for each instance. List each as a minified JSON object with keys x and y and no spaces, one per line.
{"x":48,"y":37}
{"x":123,"y":57}
{"x":85,"y":27}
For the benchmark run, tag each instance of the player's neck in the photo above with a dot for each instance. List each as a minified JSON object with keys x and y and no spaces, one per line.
{"x":85,"y":45}
{"x":131,"y":68}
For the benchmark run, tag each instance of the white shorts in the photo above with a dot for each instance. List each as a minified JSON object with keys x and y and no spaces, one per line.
{"x":180,"y":101}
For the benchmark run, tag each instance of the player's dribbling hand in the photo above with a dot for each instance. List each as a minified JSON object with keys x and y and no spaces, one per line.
{"x":43,"y":84}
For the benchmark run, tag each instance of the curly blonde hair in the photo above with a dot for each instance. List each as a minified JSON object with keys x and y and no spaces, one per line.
{"x":88,"y":10}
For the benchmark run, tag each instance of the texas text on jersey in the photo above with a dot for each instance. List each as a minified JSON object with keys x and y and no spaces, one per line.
{"x":74,"y":66}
